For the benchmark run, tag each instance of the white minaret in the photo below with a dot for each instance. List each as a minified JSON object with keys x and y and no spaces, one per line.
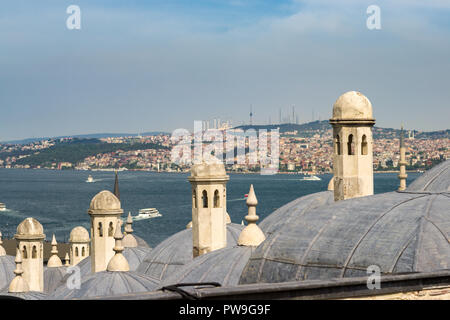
{"x":352,"y":123}
{"x":105,"y":211}
{"x":209,"y":216}
{"x":54,"y":261}
{"x":79,"y":245}
{"x":30,"y":236}
{"x":251,"y":235}
{"x":402,"y":163}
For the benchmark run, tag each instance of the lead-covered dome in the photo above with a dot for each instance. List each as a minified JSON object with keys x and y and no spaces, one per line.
{"x":176,"y":251}
{"x":30,"y":228}
{"x":400,"y":232}
{"x":107,"y":283}
{"x":79,"y":235}
{"x":436,"y":179}
{"x":352,"y":105}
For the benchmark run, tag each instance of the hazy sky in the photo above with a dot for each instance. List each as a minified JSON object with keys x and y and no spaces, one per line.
{"x":140,"y":66}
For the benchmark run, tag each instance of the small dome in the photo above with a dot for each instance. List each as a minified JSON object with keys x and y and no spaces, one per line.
{"x":208,"y":169}
{"x":54,"y":278}
{"x":135,"y":256}
{"x":105,"y":202}
{"x":176,"y":251}
{"x":352,"y":105}
{"x":224,"y":266}
{"x":107,"y":283}
{"x":30,"y":228}
{"x":79,"y":234}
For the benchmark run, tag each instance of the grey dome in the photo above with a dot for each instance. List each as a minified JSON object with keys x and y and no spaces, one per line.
{"x":291,"y":210}
{"x":176,"y":251}
{"x":135,"y":256}
{"x":223,"y":266}
{"x":54,"y":278}
{"x":141,"y":242}
{"x":434,"y":180}
{"x":397,"y":231}
{"x":107,"y":283}
{"x":7,"y":267}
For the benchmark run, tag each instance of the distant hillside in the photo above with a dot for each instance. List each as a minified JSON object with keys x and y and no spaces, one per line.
{"x":76,"y":150}
{"x":85,"y":136}
{"x":306,"y":129}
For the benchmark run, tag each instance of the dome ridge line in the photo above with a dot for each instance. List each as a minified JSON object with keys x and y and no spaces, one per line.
{"x":352,"y":252}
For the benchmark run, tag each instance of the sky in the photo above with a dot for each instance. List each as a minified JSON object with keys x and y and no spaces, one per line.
{"x":138,"y":66}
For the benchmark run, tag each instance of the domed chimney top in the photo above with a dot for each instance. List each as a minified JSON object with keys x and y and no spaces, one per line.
{"x":352,"y":105}
{"x":30,"y":229}
{"x":208,"y":170}
{"x":79,"y":235}
{"x":105,"y":202}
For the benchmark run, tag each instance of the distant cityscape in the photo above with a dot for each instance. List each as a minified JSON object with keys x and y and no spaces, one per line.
{"x":305,"y":148}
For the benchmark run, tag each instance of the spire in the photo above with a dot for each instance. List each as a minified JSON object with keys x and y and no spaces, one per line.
{"x":128,"y":225}
{"x":251,"y":235}
{"x":54,"y":260}
{"x":116,"y":187}
{"x":118,"y":261}
{"x":129,"y":241}
{"x":18,"y":284}
{"x":67,"y":260}
{"x":402,"y":163}
{"x":2,"y":250}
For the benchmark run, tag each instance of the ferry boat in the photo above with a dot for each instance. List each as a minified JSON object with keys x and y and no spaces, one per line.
{"x":90,"y":179}
{"x":311,"y":178}
{"x":2,"y":207}
{"x":147,"y":213}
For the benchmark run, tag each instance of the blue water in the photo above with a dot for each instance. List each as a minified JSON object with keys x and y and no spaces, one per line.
{"x":60,"y":199}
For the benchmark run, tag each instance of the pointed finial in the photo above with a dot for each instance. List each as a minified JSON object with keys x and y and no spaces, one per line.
{"x":118,"y":262}
{"x":18,"y":284}
{"x":67,"y":260}
{"x":128,"y":225}
{"x":251,"y":235}
{"x":129,"y":241}
{"x":2,"y":250}
{"x":54,"y":260}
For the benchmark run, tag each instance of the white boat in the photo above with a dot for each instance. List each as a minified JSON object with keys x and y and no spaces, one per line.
{"x":90,"y":179}
{"x":2,"y":207}
{"x":311,"y":178}
{"x":147,"y":213}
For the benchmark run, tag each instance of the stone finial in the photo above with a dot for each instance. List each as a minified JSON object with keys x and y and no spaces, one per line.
{"x":54,"y":261}
{"x":129,"y":241}
{"x":18,"y":284}
{"x":402,"y":163}
{"x":251,"y":235}
{"x":2,"y":250}
{"x":67,"y":260}
{"x":118,"y":261}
